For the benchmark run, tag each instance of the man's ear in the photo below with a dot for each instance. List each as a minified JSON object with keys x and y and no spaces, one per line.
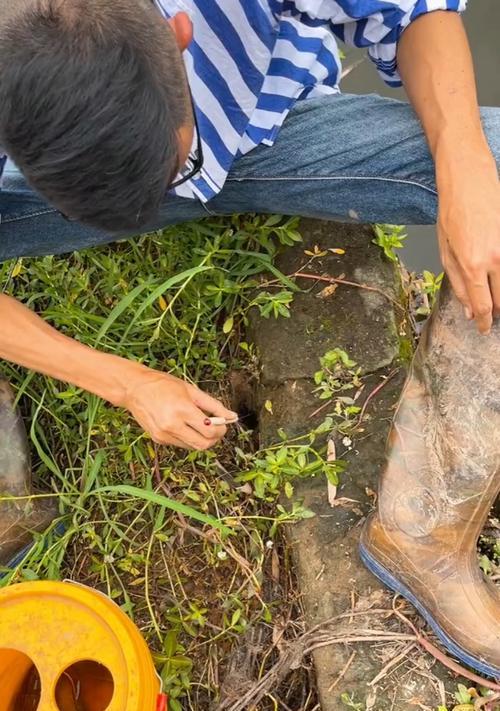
{"x":183,"y":29}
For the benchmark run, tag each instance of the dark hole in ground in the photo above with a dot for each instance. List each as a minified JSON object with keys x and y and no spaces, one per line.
{"x":248,"y":418}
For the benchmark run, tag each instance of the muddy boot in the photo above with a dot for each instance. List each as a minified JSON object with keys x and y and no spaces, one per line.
{"x":440,"y":480}
{"x":18,"y":519}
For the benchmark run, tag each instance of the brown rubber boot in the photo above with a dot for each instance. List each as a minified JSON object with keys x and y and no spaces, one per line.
{"x":18,"y":519}
{"x":441,"y":478}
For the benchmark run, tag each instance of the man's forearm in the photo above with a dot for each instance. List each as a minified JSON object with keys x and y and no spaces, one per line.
{"x":27,"y":340}
{"x":436,"y":66}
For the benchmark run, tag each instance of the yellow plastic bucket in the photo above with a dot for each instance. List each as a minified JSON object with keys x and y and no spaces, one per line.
{"x":65,"y":647}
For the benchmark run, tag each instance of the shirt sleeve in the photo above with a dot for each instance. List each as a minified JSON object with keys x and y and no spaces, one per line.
{"x":374,"y":24}
{"x":380,"y":26}
{"x":392,"y":23}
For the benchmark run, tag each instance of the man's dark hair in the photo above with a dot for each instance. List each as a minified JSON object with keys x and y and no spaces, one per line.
{"x":92,"y":93}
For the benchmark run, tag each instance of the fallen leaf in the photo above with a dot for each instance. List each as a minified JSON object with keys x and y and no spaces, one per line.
{"x":331,"y":455}
{"x":318,"y":252}
{"x":17,"y":269}
{"x":332,"y":494}
{"x":327,"y":291}
{"x":275,"y":566}
{"x":163,"y":303}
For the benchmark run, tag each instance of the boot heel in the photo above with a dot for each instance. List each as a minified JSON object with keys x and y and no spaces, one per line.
{"x":452,"y":647}
{"x":20,"y":516}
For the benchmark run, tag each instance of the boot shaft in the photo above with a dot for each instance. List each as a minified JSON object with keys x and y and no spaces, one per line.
{"x":444,"y":447}
{"x":15,"y":470}
{"x":18,"y":518}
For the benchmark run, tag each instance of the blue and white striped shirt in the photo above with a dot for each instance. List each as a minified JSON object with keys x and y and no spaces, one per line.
{"x":251,"y":60}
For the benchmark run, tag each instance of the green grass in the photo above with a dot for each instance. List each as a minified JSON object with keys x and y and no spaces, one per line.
{"x":182,"y":541}
{"x":188,"y":544}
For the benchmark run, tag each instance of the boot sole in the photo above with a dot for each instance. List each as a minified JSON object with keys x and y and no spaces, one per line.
{"x":14,"y":562}
{"x":455,"y":649}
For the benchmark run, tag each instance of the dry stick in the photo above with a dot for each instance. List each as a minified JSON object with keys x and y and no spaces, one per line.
{"x":373,"y":393}
{"x":365,"y":404}
{"x":342,"y":673}
{"x":318,"y":637}
{"x":485,"y":701}
{"x":346,"y":282}
{"x":445,"y":660}
{"x":336,"y":280}
{"x":454,"y":666}
{"x":319,"y":409}
{"x":392,"y":663}
{"x":396,"y":637}
{"x":297,"y":650}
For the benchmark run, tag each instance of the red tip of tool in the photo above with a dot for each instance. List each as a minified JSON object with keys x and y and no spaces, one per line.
{"x":207,"y":421}
{"x":162,"y":703}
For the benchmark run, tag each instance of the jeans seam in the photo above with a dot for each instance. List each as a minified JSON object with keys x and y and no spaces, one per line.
{"x":290,"y":178}
{"x":26,"y":216}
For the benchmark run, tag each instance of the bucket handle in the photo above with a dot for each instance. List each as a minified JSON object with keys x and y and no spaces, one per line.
{"x":162,"y":703}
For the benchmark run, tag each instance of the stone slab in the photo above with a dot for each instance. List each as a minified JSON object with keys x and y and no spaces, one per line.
{"x":331,"y":576}
{"x":360,"y":321}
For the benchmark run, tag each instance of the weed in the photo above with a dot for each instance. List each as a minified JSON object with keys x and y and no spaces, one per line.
{"x":338,"y":375}
{"x":389,"y":238}
{"x":468,"y":698}
{"x":273,"y":470}
{"x":348,"y":700}
{"x":182,"y":541}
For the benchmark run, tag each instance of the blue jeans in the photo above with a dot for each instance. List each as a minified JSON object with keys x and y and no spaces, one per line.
{"x":344,"y":158}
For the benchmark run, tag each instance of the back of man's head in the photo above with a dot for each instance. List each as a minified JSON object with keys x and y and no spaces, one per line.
{"x":92,"y":94}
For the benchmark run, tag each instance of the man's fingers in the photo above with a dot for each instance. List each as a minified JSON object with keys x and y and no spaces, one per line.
{"x":201,"y":424}
{"x":187,"y":437}
{"x":174,"y":442}
{"x":195,"y":440}
{"x":478,"y":288}
{"x":457,"y":282}
{"x":167,"y":439}
{"x":473,"y":291}
{"x":210,"y":404}
{"x":494,"y":280}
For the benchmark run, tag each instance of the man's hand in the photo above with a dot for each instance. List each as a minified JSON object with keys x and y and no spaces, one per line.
{"x":436,"y":66}
{"x":170,"y":410}
{"x":469,"y":235}
{"x":173,"y":411}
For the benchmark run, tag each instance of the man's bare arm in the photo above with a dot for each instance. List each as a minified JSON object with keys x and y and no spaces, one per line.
{"x":436,"y":67}
{"x":172,"y":411}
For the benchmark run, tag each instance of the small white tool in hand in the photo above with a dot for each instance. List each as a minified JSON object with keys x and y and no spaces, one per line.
{"x":221,"y":421}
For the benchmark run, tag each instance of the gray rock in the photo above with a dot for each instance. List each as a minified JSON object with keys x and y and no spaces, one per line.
{"x":331,"y":577}
{"x":360,"y":321}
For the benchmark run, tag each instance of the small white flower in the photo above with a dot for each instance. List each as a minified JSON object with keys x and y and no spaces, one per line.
{"x":222,"y":555}
{"x":347,"y":442}
{"x":269,"y":544}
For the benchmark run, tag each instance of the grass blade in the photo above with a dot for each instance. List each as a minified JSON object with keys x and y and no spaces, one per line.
{"x":164,"y":501}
